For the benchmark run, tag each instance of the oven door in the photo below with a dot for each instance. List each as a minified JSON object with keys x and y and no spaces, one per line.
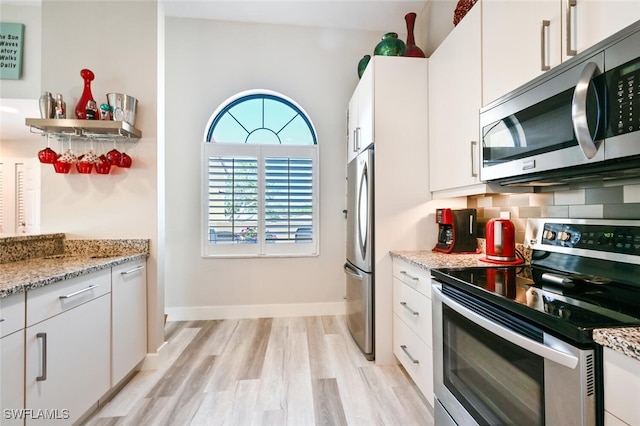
{"x":494,"y":369}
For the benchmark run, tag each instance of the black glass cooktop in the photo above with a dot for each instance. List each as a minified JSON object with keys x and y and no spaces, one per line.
{"x":570,"y":305}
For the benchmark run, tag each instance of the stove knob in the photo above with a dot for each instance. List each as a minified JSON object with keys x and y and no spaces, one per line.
{"x":548,"y":235}
{"x":564,"y":236}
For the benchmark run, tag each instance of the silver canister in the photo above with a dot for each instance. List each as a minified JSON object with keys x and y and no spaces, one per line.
{"x":47,"y":105}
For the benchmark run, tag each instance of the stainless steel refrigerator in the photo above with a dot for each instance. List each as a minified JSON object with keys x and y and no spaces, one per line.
{"x":360,"y":257}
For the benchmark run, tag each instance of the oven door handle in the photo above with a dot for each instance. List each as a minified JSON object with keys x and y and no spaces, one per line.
{"x":557,"y":356}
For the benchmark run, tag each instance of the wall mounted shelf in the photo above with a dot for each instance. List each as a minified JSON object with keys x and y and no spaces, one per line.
{"x":103,"y":129}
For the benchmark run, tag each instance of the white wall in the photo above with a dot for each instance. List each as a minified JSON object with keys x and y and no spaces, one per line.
{"x":207,"y":62}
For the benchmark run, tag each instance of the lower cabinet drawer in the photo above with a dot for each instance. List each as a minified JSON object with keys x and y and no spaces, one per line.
{"x":413,"y":276}
{"x":414,"y":308}
{"x":53,"y":299}
{"x":415,"y":356}
{"x":11,"y":314}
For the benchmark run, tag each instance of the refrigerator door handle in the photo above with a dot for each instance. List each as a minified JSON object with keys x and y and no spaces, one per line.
{"x":349,"y":270}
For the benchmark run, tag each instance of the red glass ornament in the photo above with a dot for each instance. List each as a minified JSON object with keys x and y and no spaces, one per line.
{"x":47,"y":156}
{"x":113,"y":157}
{"x":411,"y":49}
{"x":103,"y":166}
{"x":125,"y":161}
{"x":84,"y":167}
{"x":81,"y":107}
{"x":62,"y":167}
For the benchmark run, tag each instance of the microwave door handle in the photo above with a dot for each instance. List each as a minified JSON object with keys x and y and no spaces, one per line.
{"x":557,"y":356}
{"x":579,"y":111}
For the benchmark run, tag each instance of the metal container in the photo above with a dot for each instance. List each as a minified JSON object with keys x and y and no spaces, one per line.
{"x":123,"y":107}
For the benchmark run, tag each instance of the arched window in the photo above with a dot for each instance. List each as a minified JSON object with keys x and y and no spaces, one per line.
{"x":260,"y":185}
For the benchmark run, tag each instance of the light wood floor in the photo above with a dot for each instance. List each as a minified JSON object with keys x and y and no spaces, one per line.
{"x":269,"y":371}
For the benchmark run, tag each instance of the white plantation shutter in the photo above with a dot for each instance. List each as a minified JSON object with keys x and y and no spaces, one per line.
{"x":288,"y":199}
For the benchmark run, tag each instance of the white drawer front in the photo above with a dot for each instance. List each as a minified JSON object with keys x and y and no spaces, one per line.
{"x":414,"y":276}
{"x":414,"y":308}
{"x":45,"y":302}
{"x":415,"y":356}
{"x":11,"y":314}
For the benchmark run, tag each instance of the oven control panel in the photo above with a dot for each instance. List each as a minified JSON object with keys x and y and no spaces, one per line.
{"x":606,"y":238}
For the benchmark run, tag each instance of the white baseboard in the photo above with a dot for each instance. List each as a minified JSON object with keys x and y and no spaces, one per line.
{"x":156,"y":360}
{"x":254,"y":311}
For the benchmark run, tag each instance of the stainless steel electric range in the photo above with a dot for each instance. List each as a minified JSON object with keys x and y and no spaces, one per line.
{"x":514,"y":345}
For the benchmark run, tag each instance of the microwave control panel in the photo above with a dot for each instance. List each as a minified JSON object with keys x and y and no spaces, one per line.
{"x":624,"y":86}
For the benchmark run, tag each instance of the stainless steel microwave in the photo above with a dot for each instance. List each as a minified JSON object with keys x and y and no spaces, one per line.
{"x":580,"y":121}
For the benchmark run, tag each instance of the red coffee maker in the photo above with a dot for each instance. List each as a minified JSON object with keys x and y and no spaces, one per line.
{"x":456,"y":231}
{"x":501,"y":242}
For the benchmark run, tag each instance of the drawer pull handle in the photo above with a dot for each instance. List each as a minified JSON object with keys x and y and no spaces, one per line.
{"x":75,"y":293}
{"x":408,"y":275}
{"x":43,"y":376}
{"x":404,"y":304}
{"x":413,"y":360}
{"x":139,"y":268}
{"x":3,"y":319}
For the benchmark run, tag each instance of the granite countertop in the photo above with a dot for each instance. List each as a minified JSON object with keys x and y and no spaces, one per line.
{"x":625,"y":340}
{"x":17,"y":277}
{"x":29,"y":262}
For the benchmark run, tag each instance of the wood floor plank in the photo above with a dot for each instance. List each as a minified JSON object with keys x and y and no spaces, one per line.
{"x":318,"y":355}
{"x":297,"y":377}
{"x":327,"y":403}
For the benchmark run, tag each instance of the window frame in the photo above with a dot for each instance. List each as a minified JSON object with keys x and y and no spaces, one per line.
{"x":260,"y":151}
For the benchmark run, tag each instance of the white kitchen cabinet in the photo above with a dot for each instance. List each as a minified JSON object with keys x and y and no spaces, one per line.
{"x":67,"y":345}
{"x":128,"y":319}
{"x":412,"y":324}
{"x":621,"y":389}
{"x":396,"y":121}
{"x":12,"y":359}
{"x":455,"y":95}
{"x":523,"y":39}
{"x":360,"y":115}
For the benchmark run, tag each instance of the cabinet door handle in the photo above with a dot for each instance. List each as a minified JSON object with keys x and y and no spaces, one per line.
{"x":408,"y":275}
{"x":75,"y":293}
{"x":413,"y":360}
{"x":474,"y":165}
{"x":357,"y":144}
{"x":43,"y":367}
{"x":544,"y":46}
{"x":571,"y":4}
{"x":136,"y":269}
{"x":404,"y":304}
{"x":3,"y":319}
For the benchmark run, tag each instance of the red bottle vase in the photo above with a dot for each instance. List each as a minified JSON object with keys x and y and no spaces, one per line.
{"x":411,"y":49}
{"x":81,"y":107}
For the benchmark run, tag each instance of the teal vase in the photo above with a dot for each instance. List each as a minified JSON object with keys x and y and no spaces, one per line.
{"x":390,"y":45}
{"x":362,"y":65}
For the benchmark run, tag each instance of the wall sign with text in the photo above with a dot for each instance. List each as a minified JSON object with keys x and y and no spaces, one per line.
{"x":11,"y":42}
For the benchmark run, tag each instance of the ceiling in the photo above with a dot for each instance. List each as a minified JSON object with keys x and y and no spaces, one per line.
{"x":369,"y":15}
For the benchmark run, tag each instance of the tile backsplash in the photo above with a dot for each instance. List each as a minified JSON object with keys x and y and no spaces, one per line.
{"x":620,"y":201}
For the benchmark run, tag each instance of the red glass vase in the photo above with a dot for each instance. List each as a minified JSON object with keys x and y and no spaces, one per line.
{"x":81,"y":107}
{"x":411,"y":49}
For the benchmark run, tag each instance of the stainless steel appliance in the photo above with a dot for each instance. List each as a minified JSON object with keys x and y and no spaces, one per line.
{"x":360,"y":260}
{"x":457,"y":231}
{"x":514,"y":345}
{"x":579,"y":121}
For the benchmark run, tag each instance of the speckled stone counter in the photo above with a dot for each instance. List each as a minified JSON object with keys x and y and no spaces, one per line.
{"x":625,"y":340}
{"x":431,"y":259}
{"x":48,"y":259}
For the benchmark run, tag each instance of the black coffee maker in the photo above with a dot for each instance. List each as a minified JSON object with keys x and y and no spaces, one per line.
{"x":457,"y":232}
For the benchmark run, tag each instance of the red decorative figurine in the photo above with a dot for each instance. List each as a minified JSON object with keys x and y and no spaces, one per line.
{"x":81,"y":107}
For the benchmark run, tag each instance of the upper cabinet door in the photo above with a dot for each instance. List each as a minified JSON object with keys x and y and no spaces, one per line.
{"x":454,"y":101}
{"x":589,"y":21}
{"x":520,"y":40}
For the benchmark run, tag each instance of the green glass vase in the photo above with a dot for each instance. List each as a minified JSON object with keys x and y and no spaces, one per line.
{"x":390,"y":45}
{"x":362,"y":65}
